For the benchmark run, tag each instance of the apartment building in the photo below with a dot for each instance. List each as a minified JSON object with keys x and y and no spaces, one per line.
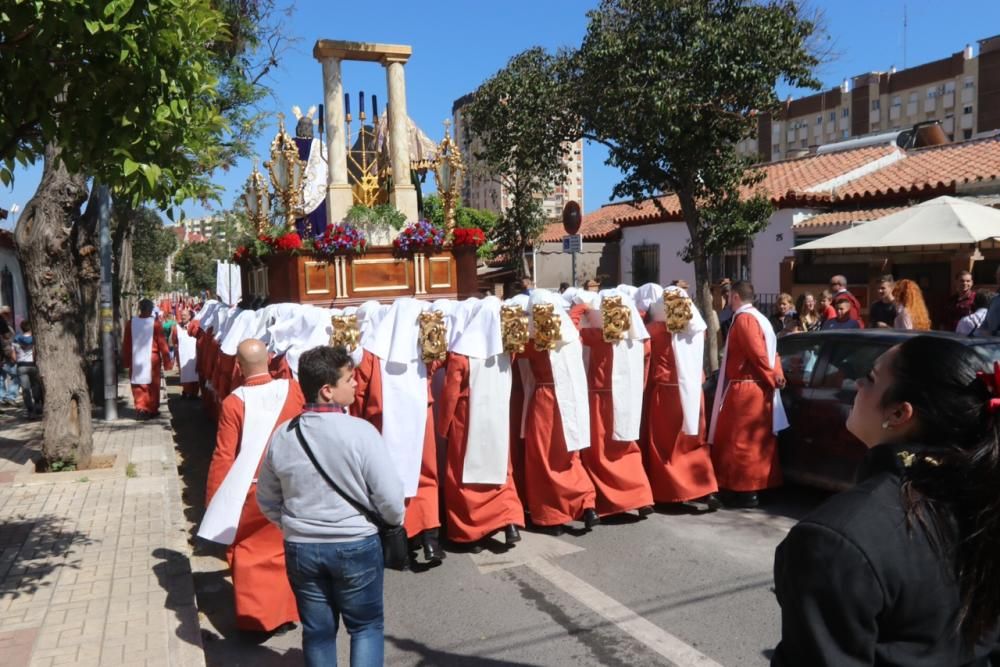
{"x":482,"y":190}
{"x":208,"y":227}
{"x":961,"y":91}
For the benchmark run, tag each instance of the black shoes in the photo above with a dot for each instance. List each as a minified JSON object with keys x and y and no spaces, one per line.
{"x":511,"y":535}
{"x":590,"y":518}
{"x":712,"y":502}
{"x":645,"y":511}
{"x":741,"y":499}
{"x":283,"y":629}
{"x":432,"y":548}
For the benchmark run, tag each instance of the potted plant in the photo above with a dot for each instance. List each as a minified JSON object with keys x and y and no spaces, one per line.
{"x":379,"y":224}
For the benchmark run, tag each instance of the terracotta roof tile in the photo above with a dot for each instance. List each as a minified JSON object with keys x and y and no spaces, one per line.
{"x":935,"y":170}
{"x":597,"y":225}
{"x":784,"y":180}
{"x":844,"y":218}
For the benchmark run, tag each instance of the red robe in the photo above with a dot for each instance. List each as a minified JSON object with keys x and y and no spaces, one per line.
{"x":423,"y":509}
{"x":472,"y":511}
{"x":679,"y":465}
{"x":614,"y":466}
{"x":147,"y":396}
{"x":263,"y":596}
{"x":187,"y":388}
{"x":557,"y":486}
{"x":745,"y":449}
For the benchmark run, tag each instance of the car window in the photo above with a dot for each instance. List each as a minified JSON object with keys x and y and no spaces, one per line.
{"x":849,"y":360}
{"x":798,"y":359}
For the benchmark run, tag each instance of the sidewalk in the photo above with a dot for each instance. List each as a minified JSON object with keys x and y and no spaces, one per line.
{"x":95,"y":565}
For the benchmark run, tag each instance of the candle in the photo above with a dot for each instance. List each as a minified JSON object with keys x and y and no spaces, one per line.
{"x":375,"y":106}
{"x":361,"y":102}
{"x":347,"y":104}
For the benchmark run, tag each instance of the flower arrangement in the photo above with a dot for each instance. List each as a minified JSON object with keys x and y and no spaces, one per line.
{"x":420,"y":235}
{"x":472,"y":236}
{"x":242,"y":253}
{"x":288,"y":241}
{"x":341,"y":238}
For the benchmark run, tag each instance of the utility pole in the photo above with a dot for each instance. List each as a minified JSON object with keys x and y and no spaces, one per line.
{"x":107,"y":312}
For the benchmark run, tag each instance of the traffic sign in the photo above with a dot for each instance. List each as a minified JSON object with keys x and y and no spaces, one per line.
{"x":572,"y":243}
{"x":572,"y":217}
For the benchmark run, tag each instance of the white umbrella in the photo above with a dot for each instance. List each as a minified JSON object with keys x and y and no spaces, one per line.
{"x":944,"y":221}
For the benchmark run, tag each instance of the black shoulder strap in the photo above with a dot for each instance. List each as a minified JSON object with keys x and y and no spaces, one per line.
{"x":361,"y":509}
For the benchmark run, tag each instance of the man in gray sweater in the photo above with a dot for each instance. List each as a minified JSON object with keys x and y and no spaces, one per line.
{"x":332,"y":553}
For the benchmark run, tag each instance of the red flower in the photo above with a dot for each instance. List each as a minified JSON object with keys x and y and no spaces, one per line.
{"x":289,"y":241}
{"x":472,"y":236}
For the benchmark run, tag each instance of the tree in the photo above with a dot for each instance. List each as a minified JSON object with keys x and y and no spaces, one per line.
{"x":146,"y":98}
{"x":671,"y":86}
{"x":465,"y":218}
{"x":522,"y":125}
{"x":196,"y":262}
{"x":152,"y":242}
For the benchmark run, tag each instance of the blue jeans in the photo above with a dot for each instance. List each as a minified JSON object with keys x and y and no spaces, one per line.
{"x":333,"y":579}
{"x":10,"y":383}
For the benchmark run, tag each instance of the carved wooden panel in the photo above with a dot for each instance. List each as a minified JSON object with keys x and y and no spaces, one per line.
{"x":317,"y":278}
{"x":440,"y":272}
{"x":373,"y":275}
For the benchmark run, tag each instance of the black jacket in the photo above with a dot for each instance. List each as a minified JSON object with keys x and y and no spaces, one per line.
{"x":858,"y":586}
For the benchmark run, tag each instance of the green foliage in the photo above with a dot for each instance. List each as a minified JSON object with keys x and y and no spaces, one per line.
{"x":465,"y":218}
{"x":196,"y":262}
{"x":152,"y":243}
{"x":148,"y":97}
{"x":671,"y":86}
{"x":522,"y":120}
{"x":383,"y":216}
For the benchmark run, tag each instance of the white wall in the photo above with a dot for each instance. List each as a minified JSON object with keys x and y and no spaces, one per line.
{"x":769,"y":248}
{"x":671,"y":236}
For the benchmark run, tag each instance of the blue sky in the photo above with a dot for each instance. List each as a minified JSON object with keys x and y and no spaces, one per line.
{"x":459,"y":43}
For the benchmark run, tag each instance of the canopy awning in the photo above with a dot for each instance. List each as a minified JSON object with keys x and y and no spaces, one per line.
{"x":940,"y":222}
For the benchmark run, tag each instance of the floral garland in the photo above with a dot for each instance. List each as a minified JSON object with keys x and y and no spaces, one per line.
{"x":289,"y":241}
{"x":472,"y":236}
{"x":341,"y":238}
{"x":420,"y":236}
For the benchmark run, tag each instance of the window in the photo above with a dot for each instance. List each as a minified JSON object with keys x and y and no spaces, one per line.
{"x":969,"y":82}
{"x":805,"y":143}
{"x":798,"y":361}
{"x":949,"y":87}
{"x":932,"y":93}
{"x":776,"y":150}
{"x":847,"y":363}
{"x":897,"y":101}
{"x":819,"y":120}
{"x":833,"y":116}
{"x":966,"y":134}
{"x":845,"y":112}
{"x":876,"y":105}
{"x":967,"y":108}
{"x":646,"y":264}
{"x":846,"y":134}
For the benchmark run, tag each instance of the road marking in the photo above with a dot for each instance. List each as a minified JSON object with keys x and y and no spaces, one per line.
{"x":537,"y":551}
{"x":653,"y":636}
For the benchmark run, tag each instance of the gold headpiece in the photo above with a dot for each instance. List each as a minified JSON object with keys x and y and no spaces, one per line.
{"x":513,"y":329}
{"x":433,"y":342}
{"x":616,"y":319}
{"x":548,"y":330}
{"x":345,"y":331}
{"x":678,"y":310}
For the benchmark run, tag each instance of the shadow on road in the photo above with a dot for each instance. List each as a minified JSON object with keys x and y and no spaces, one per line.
{"x":430,"y":656}
{"x":32,"y":550}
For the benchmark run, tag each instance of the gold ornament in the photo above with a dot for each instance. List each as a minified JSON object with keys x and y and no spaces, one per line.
{"x":346,"y":331}
{"x":548,"y":329}
{"x":678,"y":311}
{"x":616,"y":319}
{"x":513,"y":329}
{"x":433,"y":342}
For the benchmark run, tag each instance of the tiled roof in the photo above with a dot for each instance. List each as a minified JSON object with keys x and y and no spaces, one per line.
{"x":837,"y":218}
{"x":930,"y":171}
{"x":783,"y":181}
{"x":596,"y":226}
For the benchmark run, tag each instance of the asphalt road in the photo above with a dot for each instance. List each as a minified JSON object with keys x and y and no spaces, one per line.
{"x":674,"y":588}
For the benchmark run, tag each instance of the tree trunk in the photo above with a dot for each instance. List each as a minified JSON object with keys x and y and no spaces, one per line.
{"x":702,"y":281}
{"x":88,"y":260}
{"x":124,"y":277}
{"x":44,"y":237}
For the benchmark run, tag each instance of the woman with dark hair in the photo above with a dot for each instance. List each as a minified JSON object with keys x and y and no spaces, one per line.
{"x":904,"y":569}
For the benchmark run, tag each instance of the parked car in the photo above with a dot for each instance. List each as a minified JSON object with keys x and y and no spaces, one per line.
{"x":821,"y":370}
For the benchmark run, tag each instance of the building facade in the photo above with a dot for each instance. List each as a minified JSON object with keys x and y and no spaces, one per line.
{"x":208,"y":227}
{"x":961,"y":91}
{"x":483,"y":190}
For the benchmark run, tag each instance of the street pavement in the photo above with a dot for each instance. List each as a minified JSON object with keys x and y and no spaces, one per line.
{"x":676,"y":588}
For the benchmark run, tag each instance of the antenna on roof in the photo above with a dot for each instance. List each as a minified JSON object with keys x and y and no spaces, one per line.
{"x":905,"y":26}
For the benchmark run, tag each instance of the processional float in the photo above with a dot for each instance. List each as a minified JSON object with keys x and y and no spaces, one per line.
{"x":317,"y":182}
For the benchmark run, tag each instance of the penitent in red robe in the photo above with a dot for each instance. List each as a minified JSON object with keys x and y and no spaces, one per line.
{"x":614,"y":466}
{"x":187,"y":388}
{"x":263,"y":596}
{"x":147,"y":396}
{"x":557,"y":486}
{"x":745,"y":449}
{"x":472,"y":511}
{"x":423,"y":509}
{"x":679,"y":465}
